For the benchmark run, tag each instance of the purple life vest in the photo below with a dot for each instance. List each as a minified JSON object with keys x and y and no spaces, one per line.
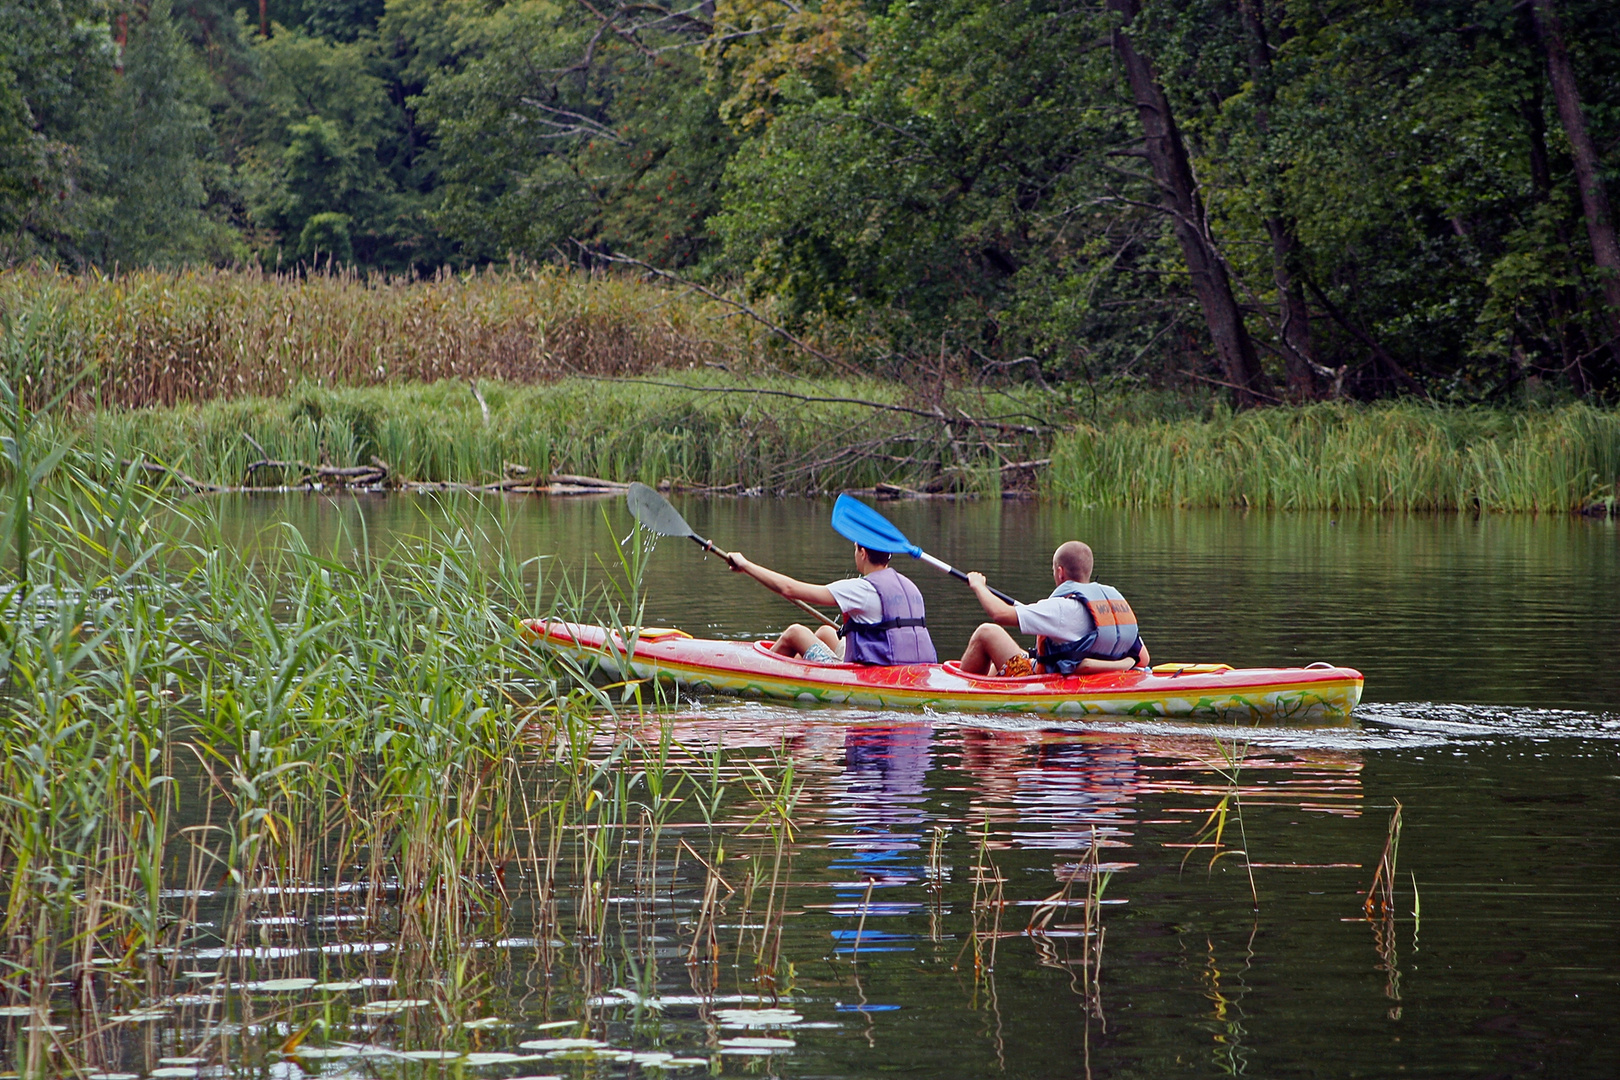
{"x":901,"y":637}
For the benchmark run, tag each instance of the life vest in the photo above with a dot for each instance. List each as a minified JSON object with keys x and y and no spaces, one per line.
{"x":1114,"y":634}
{"x":901,"y":636}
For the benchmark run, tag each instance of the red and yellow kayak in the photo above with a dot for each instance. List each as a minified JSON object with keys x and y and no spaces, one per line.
{"x":1320,"y":692}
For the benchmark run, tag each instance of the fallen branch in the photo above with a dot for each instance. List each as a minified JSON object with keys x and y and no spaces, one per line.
{"x":932,"y":414}
{"x":176,"y":475}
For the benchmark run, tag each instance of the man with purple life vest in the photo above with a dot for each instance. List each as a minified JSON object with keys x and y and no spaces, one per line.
{"x":883,"y":614}
{"x":1081,"y":629}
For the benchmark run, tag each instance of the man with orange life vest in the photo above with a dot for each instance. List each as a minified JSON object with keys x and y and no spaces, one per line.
{"x":1082,"y":628}
{"x":884,"y":622}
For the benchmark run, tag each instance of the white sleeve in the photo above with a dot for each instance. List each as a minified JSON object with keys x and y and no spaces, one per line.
{"x":857,"y":598}
{"x":1056,"y":617}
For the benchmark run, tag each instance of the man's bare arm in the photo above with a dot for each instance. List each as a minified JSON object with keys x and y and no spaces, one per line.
{"x":1000,"y":612}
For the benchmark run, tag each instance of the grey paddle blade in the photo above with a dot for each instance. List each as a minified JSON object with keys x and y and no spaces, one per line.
{"x":654,"y":512}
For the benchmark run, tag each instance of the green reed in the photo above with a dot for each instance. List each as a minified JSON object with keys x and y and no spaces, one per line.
{"x":357,"y":731}
{"x":1399,"y":456}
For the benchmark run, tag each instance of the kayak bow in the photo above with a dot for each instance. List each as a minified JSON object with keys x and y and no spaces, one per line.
{"x":1201,"y":691}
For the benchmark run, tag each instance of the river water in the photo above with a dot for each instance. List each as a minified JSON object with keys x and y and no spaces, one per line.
{"x":1491,"y":716}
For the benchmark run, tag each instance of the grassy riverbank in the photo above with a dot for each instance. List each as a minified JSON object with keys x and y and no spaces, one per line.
{"x":705,"y":430}
{"x":802,"y":436}
{"x":527,"y":372}
{"x":1397,"y":456}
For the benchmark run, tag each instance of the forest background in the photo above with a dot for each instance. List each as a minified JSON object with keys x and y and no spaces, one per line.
{"x":1288,"y":201}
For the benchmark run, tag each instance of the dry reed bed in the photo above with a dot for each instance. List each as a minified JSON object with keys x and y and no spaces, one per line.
{"x":150,"y":338}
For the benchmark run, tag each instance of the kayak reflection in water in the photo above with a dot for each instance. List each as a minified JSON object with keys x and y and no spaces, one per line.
{"x":883,"y":614}
{"x":1082,"y":628}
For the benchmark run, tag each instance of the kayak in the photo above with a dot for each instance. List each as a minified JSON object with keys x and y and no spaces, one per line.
{"x":749,"y":668}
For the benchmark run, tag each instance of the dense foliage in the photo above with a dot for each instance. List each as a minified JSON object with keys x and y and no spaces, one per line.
{"x":1298,"y":199}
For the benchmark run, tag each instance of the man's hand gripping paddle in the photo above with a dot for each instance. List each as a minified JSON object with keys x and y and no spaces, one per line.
{"x":854,"y":520}
{"x":654,"y":512}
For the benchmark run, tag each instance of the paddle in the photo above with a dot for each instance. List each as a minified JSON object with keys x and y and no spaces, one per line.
{"x":854,"y":520}
{"x":654,"y":511}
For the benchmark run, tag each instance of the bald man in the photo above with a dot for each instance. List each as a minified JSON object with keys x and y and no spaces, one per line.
{"x":1081,"y":629}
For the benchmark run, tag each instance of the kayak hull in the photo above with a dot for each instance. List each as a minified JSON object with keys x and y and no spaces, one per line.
{"x":1320,"y":693}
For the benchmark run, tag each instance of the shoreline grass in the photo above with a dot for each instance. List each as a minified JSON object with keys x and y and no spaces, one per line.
{"x":707,"y":430}
{"x":456,"y":378}
{"x":1397,"y":456}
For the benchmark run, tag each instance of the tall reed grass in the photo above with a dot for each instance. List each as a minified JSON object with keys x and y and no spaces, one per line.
{"x":1396,"y":456}
{"x":209,"y":752}
{"x":150,"y":337}
{"x":617,"y":430}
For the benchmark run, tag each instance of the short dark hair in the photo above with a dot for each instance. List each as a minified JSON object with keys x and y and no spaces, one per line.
{"x":880,"y":558}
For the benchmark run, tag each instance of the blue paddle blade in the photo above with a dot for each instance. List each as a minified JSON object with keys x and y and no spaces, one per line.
{"x":855,"y":521}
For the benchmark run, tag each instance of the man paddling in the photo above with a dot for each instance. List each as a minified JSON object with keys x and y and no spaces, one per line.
{"x":883,"y":614}
{"x":1082,"y":628}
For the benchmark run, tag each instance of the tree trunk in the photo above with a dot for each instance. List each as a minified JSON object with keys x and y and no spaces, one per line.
{"x":1298,"y":360}
{"x":1179,"y":195}
{"x":1594,"y":199}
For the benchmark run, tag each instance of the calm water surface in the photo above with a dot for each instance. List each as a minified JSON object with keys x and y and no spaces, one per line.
{"x":1492,"y":714}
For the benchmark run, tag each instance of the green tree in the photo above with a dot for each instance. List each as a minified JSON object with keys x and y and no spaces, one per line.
{"x":155,"y":155}
{"x":555,"y":128}
{"x":56,"y":61}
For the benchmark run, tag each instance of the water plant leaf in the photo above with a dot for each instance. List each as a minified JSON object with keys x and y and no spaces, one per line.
{"x":563,"y":1044}
{"x":279,"y":986}
{"x":497,"y":1057}
{"x":755,"y":1045}
{"x":752,"y":1018}
{"x":393,"y":1005}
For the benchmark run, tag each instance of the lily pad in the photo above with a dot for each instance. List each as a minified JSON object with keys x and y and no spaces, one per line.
{"x":497,"y":1057}
{"x":563,"y":1044}
{"x":483,"y":1024}
{"x":755,"y":1045}
{"x":393,"y":1005}
{"x":174,"y":1070}
{"x":140,"y":1016}
{"x":432,"y":1055}
{"x":317,"y":1053}
{"x":16,"y":1010}
{"x":757,"y":1018}
{"x":279,"y":986}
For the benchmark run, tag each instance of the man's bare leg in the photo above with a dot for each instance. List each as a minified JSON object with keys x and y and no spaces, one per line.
{"x":990,"y":647}
{"x":828,"y":636}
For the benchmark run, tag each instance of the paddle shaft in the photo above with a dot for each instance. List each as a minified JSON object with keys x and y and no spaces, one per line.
{"x":709,"y":546}
{"x":941,"y":564}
